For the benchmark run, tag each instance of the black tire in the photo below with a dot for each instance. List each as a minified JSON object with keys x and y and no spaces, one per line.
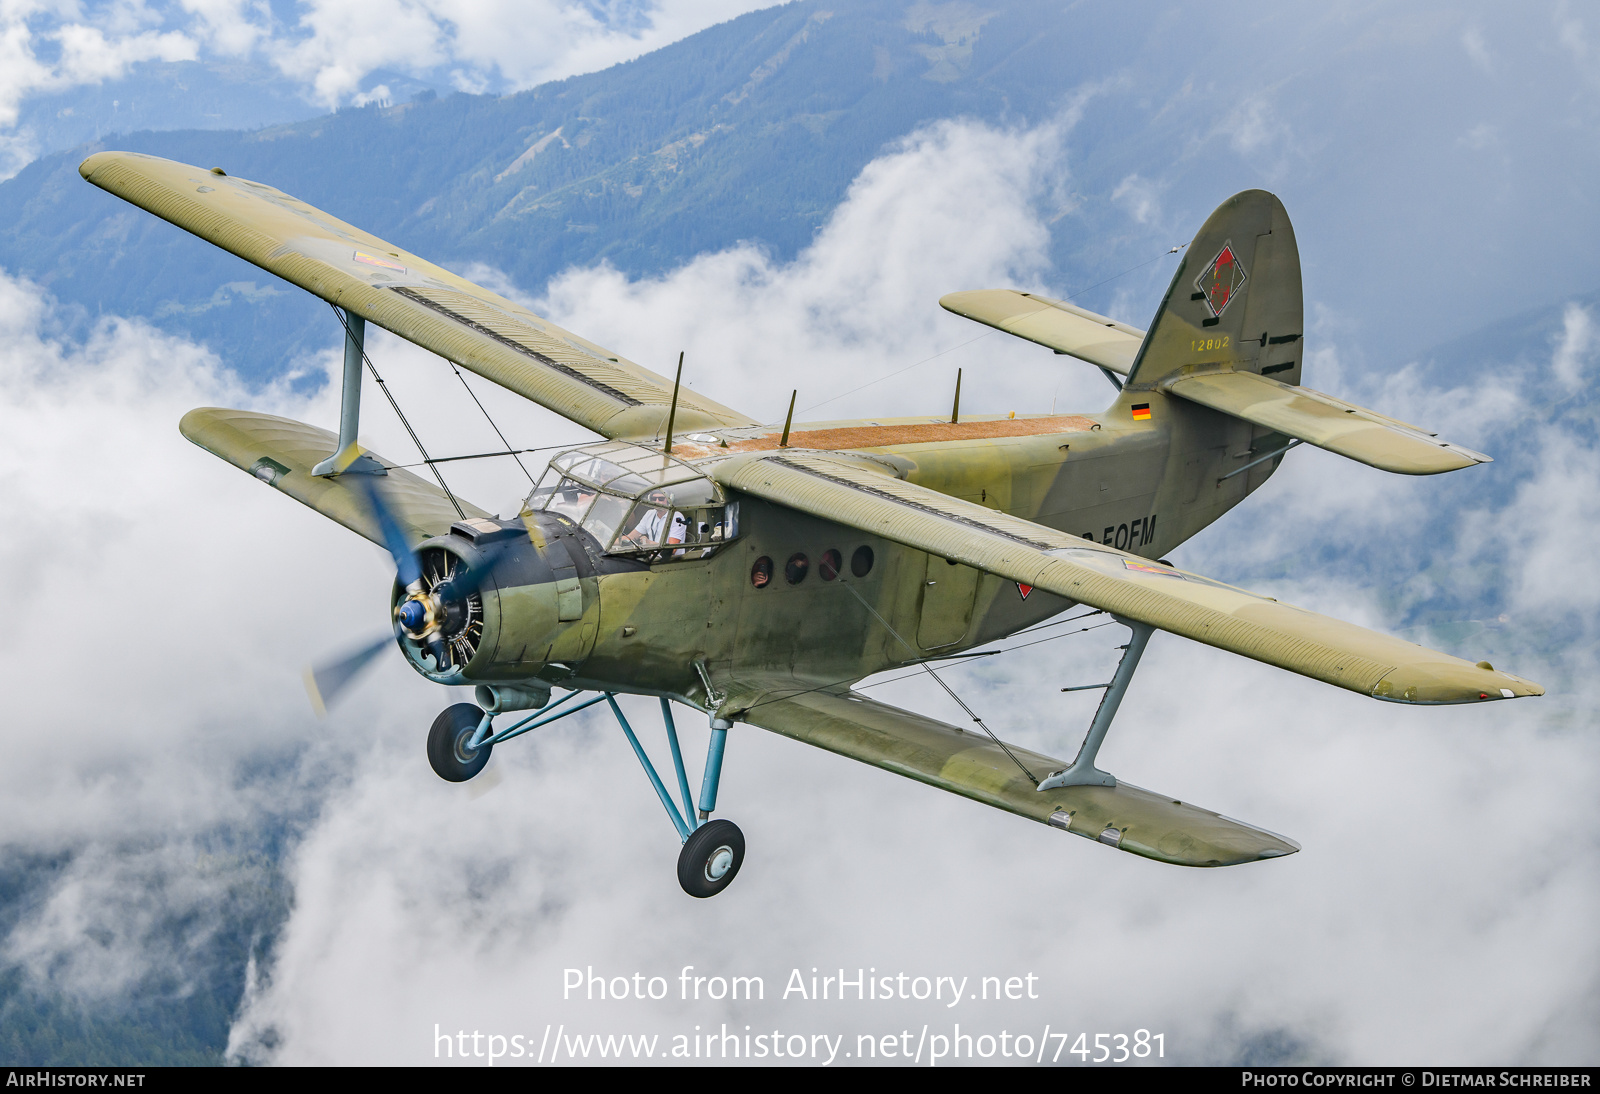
{"x":447,"y":744}
{"x":710,"y":858}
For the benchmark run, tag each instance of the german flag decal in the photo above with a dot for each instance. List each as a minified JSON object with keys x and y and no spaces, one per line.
{"x":1141,"y":412}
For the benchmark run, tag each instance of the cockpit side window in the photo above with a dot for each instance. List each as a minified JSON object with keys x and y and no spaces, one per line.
{"x":541,"y":493}
{"x":645,"y":526}
{"x":617,"y":500}
{"x":606,"y":516}
{"x":571,"y":499}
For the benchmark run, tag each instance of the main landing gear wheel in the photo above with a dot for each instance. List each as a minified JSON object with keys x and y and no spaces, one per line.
{"x":452,"y":760}
{"x":710,"y":858}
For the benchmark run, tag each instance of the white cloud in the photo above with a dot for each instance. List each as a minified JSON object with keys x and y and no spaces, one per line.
{"x":1476,"y":48}
{"x":231,"y":27}
{"x":953,"y":207}
{"x":1571,"y":32}
{"x":1254,"y":126}
{"x":1480,"y":136}
{"x":1141,"y":198}
{"x":85,"y":52}
{"x":1575,"y":348}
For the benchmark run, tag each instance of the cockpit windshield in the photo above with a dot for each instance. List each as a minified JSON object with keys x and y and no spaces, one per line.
{"x":637,"y":502}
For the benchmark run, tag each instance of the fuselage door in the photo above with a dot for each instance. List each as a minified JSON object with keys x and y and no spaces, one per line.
{"x":948,"y":592}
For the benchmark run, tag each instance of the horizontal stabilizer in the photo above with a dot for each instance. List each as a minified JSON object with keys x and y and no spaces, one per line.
{"x":1360,"y":434}
{"x":1122,"y":816}
{"x":281,"y":453}
{"x":1053,"y":323}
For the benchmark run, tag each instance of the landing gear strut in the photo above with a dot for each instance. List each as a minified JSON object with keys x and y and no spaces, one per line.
{"x":713,"y":850}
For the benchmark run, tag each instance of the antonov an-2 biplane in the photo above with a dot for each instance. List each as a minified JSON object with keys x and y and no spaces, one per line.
{"x":753,"y":574}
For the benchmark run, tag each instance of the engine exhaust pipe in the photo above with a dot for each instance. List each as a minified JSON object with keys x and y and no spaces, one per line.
{"x":499,"y":698}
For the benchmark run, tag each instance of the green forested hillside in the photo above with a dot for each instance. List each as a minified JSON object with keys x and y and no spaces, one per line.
{"x":751,"y":130}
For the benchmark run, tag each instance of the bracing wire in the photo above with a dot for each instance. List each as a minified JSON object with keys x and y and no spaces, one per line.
{"x":509,"y":450}
{"x":488,"y":455}
{"x":986,"y":334}
{"x":1008,"y":649}
{"x":350,"y":335}
{"x":964,"y":657}
{"x":896,"y":372}
{"x":929,"y":670}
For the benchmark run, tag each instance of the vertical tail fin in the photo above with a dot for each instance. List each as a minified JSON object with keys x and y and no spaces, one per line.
{"x":1235,"y":301}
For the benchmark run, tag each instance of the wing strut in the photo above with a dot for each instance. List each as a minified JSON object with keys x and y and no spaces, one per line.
{"x":1082,"y":771}
{"x":338,"y":463}
{"x":349,"y":456}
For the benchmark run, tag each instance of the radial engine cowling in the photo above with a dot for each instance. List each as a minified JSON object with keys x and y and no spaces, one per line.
{"x":441,"y":624}
{"x":487,"y":609}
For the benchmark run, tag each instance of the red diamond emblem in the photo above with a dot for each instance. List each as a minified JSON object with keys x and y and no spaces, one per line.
{"x":1024,"y":589}
{"x":1222,"y":280}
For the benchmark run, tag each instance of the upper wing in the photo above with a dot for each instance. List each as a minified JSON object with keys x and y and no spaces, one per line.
{"x":281,"y":452}
{"x":1352,"y":431}
{"x":1063,"y":327}
{"x":1123,"y":816}
{"x":466,"y":323}
{"x":1207,"y":611}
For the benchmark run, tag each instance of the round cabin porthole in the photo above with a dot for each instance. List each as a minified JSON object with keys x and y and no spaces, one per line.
{"x":861,"y":561}
{"x":761,"y":572}
{"x":832,"y":562}
{"x":794,"y":571}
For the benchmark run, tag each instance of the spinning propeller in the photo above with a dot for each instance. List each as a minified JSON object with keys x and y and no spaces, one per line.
{"x":433,"y":608}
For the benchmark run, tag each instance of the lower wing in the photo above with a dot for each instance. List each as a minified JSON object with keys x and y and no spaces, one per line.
{"x":281,"y":453}
{"x":1122,"y":816}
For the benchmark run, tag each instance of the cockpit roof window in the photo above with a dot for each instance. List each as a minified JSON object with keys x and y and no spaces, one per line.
{"x":624,"y":469}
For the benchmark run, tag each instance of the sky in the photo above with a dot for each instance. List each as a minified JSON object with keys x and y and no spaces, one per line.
{"x":1441,"y":909}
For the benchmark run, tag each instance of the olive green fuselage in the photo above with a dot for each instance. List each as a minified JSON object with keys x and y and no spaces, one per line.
{"x":1140,"y":485}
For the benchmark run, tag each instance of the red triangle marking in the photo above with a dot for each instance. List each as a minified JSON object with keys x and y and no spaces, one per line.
{"x":1024,"y":589}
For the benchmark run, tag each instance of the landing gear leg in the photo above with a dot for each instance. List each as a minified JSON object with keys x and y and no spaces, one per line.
{"x":712,"y":855}
{"x":713,"y":850}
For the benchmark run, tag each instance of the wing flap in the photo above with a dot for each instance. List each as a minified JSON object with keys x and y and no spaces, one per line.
{"x":281,"y":452}
{"x":1062,"y":327}
{"x":1352,"y":431}
{"x":422,"y":303}
{"x":1130,"y":587}
{"x":1124,"y":816}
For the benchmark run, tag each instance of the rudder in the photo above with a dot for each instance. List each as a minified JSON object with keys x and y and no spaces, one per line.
{"x":1235,"y":301}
